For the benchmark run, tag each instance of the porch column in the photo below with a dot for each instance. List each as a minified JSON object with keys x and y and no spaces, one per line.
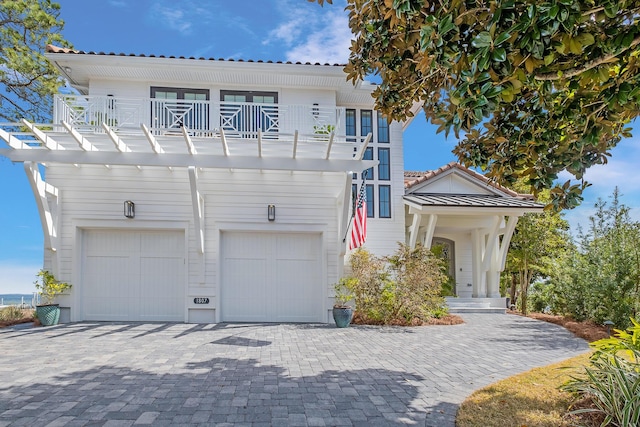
{"x":493,"y":274}
{"x":477,"y":247}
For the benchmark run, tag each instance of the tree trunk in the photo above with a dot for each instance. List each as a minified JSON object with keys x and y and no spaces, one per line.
{"x":512,"y":292}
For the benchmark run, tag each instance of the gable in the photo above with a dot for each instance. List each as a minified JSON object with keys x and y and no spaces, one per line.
{"x":454,"y":181}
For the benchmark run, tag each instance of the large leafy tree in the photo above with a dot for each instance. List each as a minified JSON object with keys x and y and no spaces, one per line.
{"x":538,"y":243}
{"x":27,"y":79}
{"x":535,"y":87}
{"x":602,"y":281}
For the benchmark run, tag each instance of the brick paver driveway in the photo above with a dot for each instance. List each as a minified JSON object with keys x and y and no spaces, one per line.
{"x":118,"y":374}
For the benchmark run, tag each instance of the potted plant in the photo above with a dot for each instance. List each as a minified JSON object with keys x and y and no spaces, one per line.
{"x":49,"y":288}
{"x":342,"y":312}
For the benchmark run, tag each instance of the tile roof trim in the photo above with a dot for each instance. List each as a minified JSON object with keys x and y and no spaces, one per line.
{"x":62,"y":50}
{"x":420,"y":177}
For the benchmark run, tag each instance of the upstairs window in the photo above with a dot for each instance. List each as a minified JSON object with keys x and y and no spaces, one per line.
{"x":177,"y":107}
{"x":366,"y":122}
{"x":383,"y":129}
{"x":244,"y":113}
{"x":370,"y":201}
{"x":384,"y":167}
{"x":368,"y":155}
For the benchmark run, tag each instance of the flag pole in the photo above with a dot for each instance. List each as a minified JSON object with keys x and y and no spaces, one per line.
{"x":353,"y":211}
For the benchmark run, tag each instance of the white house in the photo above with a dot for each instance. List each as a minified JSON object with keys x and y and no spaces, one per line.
{"x":204,"y":190}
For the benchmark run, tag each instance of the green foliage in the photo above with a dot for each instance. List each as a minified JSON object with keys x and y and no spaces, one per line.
{"x":343,"y":291}
{"x":539,"y":242}
{"x":323,"y":129}
{"x":625,"y":341}
{"x":601,"y":280}
{"x":537,"y":88}
{"x":28,"y":79}
{"x":11,"y":314}
{"x":48,"y":287}
{"x":405,"y":285}
{"x":612,"y":382}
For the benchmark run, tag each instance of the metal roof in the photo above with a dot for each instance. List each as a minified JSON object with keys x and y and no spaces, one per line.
{"x":471,"y":200}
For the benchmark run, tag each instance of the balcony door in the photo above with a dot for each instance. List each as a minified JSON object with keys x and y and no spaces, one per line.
{"x":244,"y":113}
{"x":172,"y":108}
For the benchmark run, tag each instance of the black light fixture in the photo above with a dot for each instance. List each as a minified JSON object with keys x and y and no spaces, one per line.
{"x":129,"y":209}
{"x":271,"y":212}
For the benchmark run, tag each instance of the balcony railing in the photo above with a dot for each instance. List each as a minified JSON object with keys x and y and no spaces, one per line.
{"x":237,"y":119}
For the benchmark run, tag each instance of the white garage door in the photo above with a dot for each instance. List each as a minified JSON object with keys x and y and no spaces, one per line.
{"x":133,"y":275}
{"x":271,"y":277}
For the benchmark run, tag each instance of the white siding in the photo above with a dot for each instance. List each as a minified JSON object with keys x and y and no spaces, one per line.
{"x":93,"y":196}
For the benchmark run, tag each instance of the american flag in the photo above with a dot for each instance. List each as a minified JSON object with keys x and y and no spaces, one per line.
{"x":359,"y":229}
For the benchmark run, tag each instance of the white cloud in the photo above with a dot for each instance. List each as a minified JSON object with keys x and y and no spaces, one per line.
{"x":621,"y":171}
{"x":16,"y":278}
{"x":172,"y":17}
{"x":313,"y":34}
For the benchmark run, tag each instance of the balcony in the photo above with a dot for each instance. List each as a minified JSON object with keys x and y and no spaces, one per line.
{"x":201,"y":118}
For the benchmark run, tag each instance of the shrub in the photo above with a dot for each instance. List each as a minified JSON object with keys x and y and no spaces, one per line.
{"x":406,"y":285}
{"x":612,"y":382}
{"x":48,"y":287}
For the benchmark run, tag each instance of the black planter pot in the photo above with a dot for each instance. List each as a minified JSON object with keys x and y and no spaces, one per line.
{"x":342,"y":316}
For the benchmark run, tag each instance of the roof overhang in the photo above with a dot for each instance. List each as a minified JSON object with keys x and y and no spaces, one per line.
{"x":79,"y":68}
{"x":470,"y":204}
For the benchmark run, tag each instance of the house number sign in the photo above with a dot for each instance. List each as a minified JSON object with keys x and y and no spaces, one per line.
{"x":201,"y":300}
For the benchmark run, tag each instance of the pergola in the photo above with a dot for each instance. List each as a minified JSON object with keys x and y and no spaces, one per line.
{"x":175,"y":148}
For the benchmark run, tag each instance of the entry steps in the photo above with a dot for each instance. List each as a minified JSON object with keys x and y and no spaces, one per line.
{"x":477,"y":305}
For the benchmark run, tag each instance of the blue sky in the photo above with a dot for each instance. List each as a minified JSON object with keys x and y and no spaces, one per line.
{"x":287,"y":30}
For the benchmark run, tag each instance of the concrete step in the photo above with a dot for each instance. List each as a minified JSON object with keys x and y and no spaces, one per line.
{"x":462,"y":310}
{"x":476,"y":305}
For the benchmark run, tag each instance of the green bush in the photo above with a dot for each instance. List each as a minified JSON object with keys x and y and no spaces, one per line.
{"x":406,"y":285}
{"x":11,"y":314}
{"x":611,"y":381}
{"x":48,"y":287}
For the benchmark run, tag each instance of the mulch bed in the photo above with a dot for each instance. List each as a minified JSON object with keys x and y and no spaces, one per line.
{"x":449,"y":319}
{"x":588,"y":331}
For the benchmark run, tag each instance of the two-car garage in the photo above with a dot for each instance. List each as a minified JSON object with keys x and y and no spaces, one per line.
{"x":141,"y":275}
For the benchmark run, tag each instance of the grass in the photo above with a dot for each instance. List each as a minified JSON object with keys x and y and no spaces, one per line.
{"x":533,"y":398}
{"x":530,"y":399}
{"x":13,"y":315}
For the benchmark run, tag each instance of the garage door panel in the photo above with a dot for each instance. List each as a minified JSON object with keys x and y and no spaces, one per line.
{"x":298,"y":293}
{"x":161,"y":280}
{"x":133,"y":275}
{"x":244,"y":297}
{"x":271,"y":277}
{"x":110,"y":295}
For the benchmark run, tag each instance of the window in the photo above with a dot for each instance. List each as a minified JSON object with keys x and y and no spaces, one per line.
{"x":177,"y":107}
{"x":370,"y":201}
{"x":350,"y":124}
{"x":244,"y":113}
{"x":368,"y":155}
{"x":383,"y":129}
{"x":384,"y":197}
{"x":354,"y":196}
{"x":384,"y":167}
{"x":366,"y":122}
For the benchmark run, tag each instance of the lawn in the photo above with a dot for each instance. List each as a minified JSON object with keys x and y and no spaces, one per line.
{"x":533,"y":398}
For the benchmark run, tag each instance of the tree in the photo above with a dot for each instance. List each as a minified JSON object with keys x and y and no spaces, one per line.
{"x":539,"y":241}
{"x":603,"y":281}
{"x":27,"y":79}
{"x":537,"y":87}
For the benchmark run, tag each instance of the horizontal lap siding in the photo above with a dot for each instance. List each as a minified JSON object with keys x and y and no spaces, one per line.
{"x":231,"y":197}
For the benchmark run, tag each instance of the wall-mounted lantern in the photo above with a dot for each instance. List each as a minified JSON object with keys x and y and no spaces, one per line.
{"x":271,"y":212}
{"x":129,"y":209}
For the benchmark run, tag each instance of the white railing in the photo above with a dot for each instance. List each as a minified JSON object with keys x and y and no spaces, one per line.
{"x":238,"y":119}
